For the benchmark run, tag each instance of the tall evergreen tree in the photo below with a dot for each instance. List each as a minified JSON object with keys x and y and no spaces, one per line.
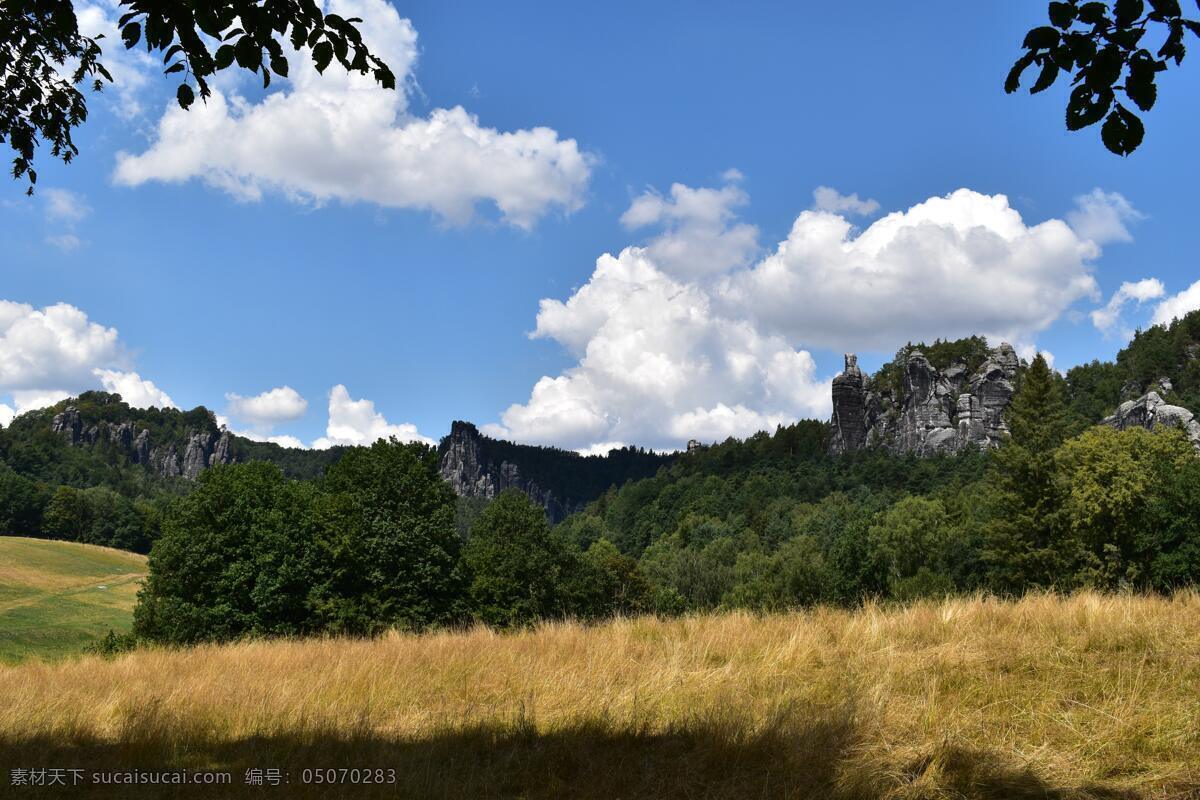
{"x":1022,"y":549}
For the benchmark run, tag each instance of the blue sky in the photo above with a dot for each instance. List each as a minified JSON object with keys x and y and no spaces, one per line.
{"x":310,"y":261}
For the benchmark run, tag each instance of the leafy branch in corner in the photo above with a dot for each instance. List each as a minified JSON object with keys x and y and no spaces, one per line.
{"x":1105,"y":45}
{"x":44,"y":59}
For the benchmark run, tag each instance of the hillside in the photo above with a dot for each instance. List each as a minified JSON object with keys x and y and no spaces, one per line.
{"x":1082,"y":697}
{"x":57,"y":597}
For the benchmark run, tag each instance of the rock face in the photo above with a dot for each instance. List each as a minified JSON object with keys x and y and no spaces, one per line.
{"x":929,"y":411}
{"x":1151,"y":410}
{"x":202,"y":450}
{"x":464,"y":464}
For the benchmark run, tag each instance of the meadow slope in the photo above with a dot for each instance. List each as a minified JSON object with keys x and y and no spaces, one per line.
{"x":57,"y":597}
{"x":1082,"y":697}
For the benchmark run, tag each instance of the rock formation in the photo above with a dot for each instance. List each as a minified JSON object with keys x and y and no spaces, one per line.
{"x":464,"y":463}
{"x":1149,"y":411}
{"x":927,"y":410}
{"x":203,"y":449}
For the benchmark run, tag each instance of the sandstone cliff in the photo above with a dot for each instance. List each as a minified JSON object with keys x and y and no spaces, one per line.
{"x":465,"y":464}
{"x":1150,"y":410}
{"x":917,"y":408}
{"x":560,"y":481}
{"x":203,"y":449}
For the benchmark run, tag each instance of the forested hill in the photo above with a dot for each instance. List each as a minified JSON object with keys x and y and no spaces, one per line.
{"x":561,"y":481}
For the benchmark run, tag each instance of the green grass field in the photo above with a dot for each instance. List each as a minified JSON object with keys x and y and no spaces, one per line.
{"x":57,"y":597}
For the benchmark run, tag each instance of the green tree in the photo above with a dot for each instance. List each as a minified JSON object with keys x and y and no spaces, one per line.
{"x":1022,"y":547}
{"x":386,"y":534}
{"x":1114,"y":486}
{"x":1105,"y":46}
{"x":45,"y":59}
{"x":234,"y":558}
{"x":912,"y":544}
{"x":21,"y":504}
{"x":518,"y":567}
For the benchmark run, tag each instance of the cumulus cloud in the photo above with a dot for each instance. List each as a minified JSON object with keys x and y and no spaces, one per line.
{"x":658,"y":365}
{"x":53,"y":348}
{"x":268,"y":409}
{"x":1103,"y":217}
{"x":1177,"y":305}
{"x":6,"y":415}
{"x":826,"y":198}
{"x":356,"y":422}
{"x":340,"y":137}
{"x":134,"y":389}
{"x":664,"y":353}
{"x":950,"y":266}
{"x":50,"y":353}
{"x":699,"y":234}
{"x":1108,"y":317}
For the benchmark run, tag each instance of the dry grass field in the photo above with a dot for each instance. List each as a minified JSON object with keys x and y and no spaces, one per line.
{"x":1082,"y":697}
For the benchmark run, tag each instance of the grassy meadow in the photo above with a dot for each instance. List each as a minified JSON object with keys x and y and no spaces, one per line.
{"x":1087,"y":696}
{"x":57,"y":597}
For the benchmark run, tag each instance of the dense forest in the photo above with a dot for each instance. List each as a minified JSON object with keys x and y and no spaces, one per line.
{"x":368,"y":538}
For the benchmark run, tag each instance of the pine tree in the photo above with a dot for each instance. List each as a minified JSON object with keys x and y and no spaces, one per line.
{"x":1023,"y":549}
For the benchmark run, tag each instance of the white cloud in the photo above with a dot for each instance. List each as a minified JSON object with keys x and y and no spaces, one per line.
{"x":658,"y":365}
{"x":64,"y":205}
{"x":1102,"y":217}
{"x":6,"y":415}
{"x":266,"y":410}
{"x":134,"y":389}
{"x":1106,"y":318}
{"x":700,"y":236}
{"x":826,"y":198}
{"x":67,"y":242}
{"x":356,"y":422}
{"x":341,"y":137}
{"x":950,"y":266}
{"x":601,"y":448}
{"x":53,"y":348}
{"x":1177,"y":305}
{"x":54,"y":352}
{"x":665,"y":354}
{"x":281,"y":440}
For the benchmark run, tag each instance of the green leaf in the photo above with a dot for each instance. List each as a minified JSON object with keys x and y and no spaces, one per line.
{"x":1062,"y":15}
{"x":280,"y":65}
{"x":1128,"y":12}
{"x":1140,"y":84}
{"x":1105,"y":68}
{"x":185,"y":96}
{"x":1046,"y":78}
{"x":224,"y":56}
{"x":385,"y":77}
{"x":1093,"y":13}
{"x":176,"y":67}
{"x":1043,"y":37}
{"x":131,"y":33}
{"x":1122,"y":131}
{"x":172,"y":51}
{"x":1167,"y":8}
{"x":1087,"y":107}
{"x":322,"y":55}
{"x":1013,"y":81}
{"x":248,"y":53}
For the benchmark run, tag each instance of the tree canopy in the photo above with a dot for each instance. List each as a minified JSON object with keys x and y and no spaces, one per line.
{"x":40,"y":40}
{"x":1106,"y":49}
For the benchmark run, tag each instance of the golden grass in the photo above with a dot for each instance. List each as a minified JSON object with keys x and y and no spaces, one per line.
{"x":1086,"y":696}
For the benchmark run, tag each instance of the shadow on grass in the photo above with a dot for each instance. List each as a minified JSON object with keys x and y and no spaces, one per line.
{"x":710,"y":759}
